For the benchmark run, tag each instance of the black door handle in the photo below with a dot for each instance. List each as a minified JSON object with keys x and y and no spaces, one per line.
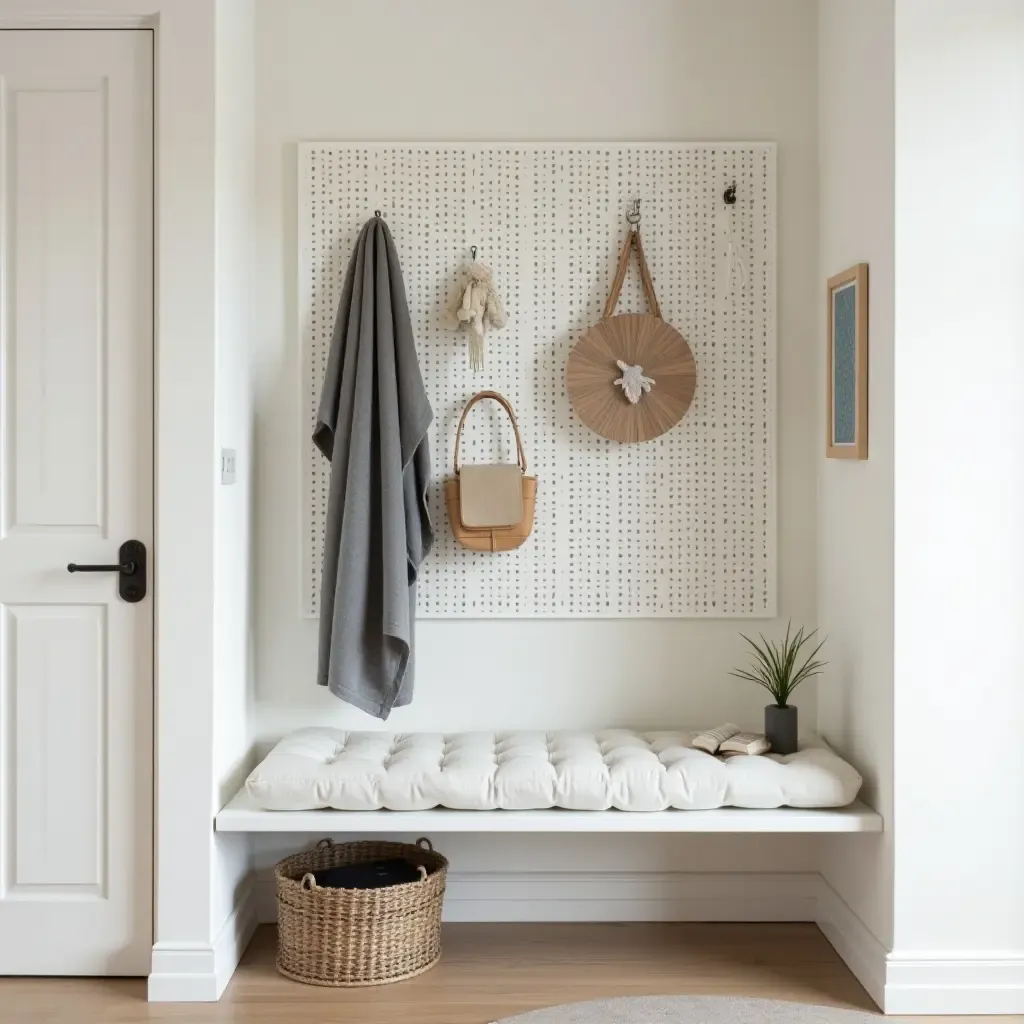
{"x":131,"y":570}
{"x":127,"y":568}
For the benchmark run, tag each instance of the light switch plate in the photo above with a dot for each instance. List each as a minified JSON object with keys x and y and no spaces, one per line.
{"x":227,"y":465}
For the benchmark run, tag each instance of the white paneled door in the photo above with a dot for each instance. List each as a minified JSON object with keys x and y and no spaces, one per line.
{"x":76,"y":482}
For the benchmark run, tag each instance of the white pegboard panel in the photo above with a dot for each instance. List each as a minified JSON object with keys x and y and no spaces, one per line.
{"x":681,"y":526}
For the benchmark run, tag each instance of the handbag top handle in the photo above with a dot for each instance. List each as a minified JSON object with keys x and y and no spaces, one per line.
{"x":632,"y":242}
{"x":504,"y":403}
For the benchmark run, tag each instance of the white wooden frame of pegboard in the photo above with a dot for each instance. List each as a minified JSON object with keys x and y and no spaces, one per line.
{"x":682,"y":526}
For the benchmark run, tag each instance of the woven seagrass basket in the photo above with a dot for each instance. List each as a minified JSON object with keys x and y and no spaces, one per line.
{"x":351,"y":937}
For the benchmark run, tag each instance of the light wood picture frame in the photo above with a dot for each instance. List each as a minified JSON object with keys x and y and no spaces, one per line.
{"x":846,"y":381}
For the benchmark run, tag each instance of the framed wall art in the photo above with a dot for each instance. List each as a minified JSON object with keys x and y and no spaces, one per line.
{"x":847,"y":361}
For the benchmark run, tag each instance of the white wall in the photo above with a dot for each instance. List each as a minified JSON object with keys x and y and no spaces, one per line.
{"x":959,"y":458}
{"x":355,"y":70}
{"x":855,"y":518}
{"x":233,"y":696}
{"x":345,"y":69}
{"x":920,"y":587}
{"x":185,"y":406}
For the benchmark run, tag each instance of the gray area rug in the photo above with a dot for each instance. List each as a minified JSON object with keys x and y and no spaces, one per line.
{"x":690,"y":1010}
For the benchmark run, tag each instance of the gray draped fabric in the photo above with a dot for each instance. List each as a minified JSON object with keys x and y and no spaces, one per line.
{"x":372,"y":426}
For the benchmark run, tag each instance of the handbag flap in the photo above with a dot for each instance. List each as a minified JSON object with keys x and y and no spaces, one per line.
{"x":491,"y":496}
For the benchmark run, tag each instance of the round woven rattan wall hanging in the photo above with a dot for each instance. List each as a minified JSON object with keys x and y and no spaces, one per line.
{"x":632,"y":376}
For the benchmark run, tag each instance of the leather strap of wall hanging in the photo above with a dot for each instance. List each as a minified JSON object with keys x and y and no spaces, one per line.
{"x":632,"y":242}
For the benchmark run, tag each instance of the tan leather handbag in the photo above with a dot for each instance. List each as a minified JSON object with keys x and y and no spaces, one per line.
{"x":491,"y":507}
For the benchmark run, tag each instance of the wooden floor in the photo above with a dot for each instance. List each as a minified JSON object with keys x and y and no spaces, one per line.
{"x":487,"y":972}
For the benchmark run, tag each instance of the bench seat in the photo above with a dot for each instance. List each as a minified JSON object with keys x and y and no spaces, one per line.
{"x":609,"y":770}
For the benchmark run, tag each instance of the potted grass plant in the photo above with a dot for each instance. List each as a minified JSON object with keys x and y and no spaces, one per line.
{"x":780,"y":669}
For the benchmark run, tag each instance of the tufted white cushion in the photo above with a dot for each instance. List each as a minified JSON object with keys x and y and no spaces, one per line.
{"x":585,"y":771}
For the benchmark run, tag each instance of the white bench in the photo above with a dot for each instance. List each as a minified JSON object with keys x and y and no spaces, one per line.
{"x":321,"y":780}
{"x":242,"y":815}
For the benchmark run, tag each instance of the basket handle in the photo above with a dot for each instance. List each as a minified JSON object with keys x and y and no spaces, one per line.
{"x":423,"y":872}
{"x":324,"y":844}
{"x":309,"y":878}
{"x":425,"y":844}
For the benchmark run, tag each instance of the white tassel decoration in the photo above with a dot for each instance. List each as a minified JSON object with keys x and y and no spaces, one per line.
{"x":479,"y":307}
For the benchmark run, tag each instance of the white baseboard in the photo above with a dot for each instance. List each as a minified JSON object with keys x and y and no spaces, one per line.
{"x":858,"y":946}
{"x":913,"y":983}
{"x":182,"y":973}
{"x":199,"y":972}
{"x":963,"y":983}
{"x":922,"y":983}
{"x":614,"y":896}
{"x":234,"y":937}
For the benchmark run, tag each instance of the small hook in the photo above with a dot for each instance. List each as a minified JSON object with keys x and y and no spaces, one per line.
{"x":730,"y":195}
{"x":633,"y":215}
{"x":376,"y":214}
{"x":472,"y":251}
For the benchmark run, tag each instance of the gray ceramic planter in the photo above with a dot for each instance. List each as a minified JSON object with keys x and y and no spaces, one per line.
{"x":780,"y":728}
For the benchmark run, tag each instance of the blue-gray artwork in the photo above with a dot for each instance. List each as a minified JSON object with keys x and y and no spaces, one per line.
{"x":844,"y":364}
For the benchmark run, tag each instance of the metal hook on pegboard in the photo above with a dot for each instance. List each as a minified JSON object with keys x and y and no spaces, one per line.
{"x":633,"y":215}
